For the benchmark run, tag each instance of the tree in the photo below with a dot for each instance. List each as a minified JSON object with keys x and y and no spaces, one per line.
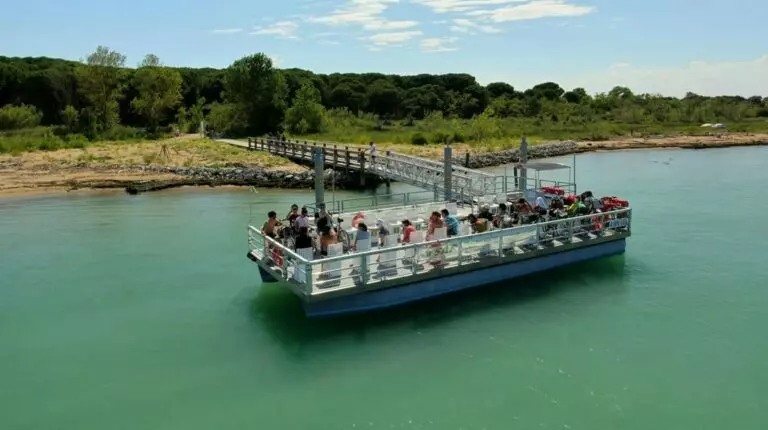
{"x":159,"y":91}
{"x":98,"y":81}
{"x":306,"y":114}
{"x":258,"y":91}
{"x":383,"y":98}
{"x":69,"y":117}
{"x":500,"y":89}
{"x":576,"y":96}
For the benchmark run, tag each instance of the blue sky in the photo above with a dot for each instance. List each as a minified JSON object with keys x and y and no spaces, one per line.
{"x":664,"y":46}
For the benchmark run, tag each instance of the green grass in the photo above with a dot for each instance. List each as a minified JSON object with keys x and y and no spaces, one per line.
{"x":497,"y":133}
{"x":56,"y":138}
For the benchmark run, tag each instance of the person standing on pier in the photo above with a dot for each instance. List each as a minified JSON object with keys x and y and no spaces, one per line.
{"x":372,"y":149}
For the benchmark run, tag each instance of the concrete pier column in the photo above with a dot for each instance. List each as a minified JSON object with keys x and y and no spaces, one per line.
{"x":523,"y":160}
{"x":319,"y":175}
{"x":447,"y":172}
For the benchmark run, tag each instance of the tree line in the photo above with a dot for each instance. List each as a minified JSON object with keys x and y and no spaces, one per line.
{"x":253,"y":97}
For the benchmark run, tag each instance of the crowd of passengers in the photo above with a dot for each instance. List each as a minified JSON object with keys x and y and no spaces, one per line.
{"x":521,"y":212}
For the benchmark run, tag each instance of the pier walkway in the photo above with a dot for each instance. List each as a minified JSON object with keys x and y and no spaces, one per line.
{"x":462,"y":183}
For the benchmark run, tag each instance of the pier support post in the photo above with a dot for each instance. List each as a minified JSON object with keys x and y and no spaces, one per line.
{"x":447,"y":171}
{"x":361,"y":161}
{"x":319,"y":176}
{"x":523,"y":160}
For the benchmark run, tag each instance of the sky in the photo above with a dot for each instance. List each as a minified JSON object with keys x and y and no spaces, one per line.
{"x":658,"y":46}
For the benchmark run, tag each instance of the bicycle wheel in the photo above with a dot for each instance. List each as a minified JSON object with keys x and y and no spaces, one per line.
{"x":345,"y":240}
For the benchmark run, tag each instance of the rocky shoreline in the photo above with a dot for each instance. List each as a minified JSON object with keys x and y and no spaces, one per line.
{"x":142,"y":178}
{"x":238,"y":176}
{"x":544,"y":150}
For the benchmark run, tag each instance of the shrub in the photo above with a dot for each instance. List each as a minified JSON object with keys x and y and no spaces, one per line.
{"x":458,"y":137}
{"x":121,"y":132}
{"x":441,"y":137}
{"x":18,"y":117}
{"x":419,"y":139}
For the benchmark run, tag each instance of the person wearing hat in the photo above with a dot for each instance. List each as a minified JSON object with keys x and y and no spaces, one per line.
{"x":383,"y":231}
{"x":357,"y":218}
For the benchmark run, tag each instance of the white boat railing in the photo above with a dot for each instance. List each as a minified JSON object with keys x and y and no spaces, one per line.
{"x":365,"y":269}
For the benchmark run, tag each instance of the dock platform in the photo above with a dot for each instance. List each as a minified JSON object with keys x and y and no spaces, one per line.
{"x":392,"y":273}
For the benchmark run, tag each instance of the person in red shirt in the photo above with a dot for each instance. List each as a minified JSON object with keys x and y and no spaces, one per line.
{"x":408,"y":229}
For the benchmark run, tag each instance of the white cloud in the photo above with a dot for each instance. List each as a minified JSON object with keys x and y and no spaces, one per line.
{"x":463,"y":25}
{"x":534,"y":10}
{"x":227,"y":31}
{"x":453,"y":6}
{"x":329,"y":42}
{"x":712,"y":78}
{"x":388,"y":25}
{"x":365,"y":13}
{"x":283,"y":29}
{"x":439,"y":44}
{"x":392,"y":39}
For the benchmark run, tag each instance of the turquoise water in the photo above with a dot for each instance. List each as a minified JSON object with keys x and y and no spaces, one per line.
{"x":142,"y":312}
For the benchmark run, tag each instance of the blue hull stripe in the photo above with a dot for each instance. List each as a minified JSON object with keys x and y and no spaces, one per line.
{"x":438,"y":286}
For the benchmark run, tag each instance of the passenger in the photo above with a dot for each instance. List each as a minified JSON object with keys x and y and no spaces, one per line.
{"x":303,"y":240}
{"x":501,"y":215}
{"x":485,"y":213}
{"x":557,"y":204}
{"x":451,"y":222}
{"x":270,"y":225}
{"x":408,"y":230}
{"x":435,"y":222}
{"x":576,"y":207}
{"x":293,"y":214}
{"x":327,"y":238}
{"x":383,"y":231}
{"x":472,"y":219}
{"x":482,"y":225}
{"x":541,"y":206}
{"x":303,"y":220}
{"x":362,"y":234}
{"x":357,"y":218}
{"x":321,"y":222}
{"x":524,"y":207}
{"x":324,"y":213}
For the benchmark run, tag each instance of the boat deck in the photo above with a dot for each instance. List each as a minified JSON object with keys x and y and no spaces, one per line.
{"x":395,"y":264}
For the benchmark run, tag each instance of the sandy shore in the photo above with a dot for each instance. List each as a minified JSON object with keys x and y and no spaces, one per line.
{"x":723,"y":140}
{"x":43,"y":173}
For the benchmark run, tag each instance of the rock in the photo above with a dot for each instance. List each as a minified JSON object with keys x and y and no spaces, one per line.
{"x":544,"y":150}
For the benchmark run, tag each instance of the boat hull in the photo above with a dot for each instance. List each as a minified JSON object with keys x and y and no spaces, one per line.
{"x":420,"y":290}
{"x":265,"y":275}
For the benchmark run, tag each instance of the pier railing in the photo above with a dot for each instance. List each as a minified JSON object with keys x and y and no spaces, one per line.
{"x":365,"y":270}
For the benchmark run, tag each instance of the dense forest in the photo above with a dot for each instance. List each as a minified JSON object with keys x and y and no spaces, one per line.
{"x":100,"y":93}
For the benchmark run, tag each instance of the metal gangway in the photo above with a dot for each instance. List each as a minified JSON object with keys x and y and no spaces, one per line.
{"x":424,"y":173}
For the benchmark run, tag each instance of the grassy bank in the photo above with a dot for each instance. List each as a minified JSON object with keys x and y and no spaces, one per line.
{"x":492,"y":134}
{"x":187,"y":151}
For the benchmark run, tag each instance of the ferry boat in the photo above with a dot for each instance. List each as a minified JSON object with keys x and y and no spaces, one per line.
{"x":390,"y":273}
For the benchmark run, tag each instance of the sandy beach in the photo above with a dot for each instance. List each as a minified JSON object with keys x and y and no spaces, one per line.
{"x":67,"y":170}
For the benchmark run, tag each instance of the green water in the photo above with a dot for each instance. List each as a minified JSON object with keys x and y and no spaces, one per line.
{"x":142,"y":312}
